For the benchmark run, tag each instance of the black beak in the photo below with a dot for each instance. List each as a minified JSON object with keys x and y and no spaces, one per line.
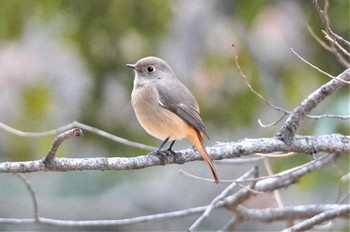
{"x":131,"y":66}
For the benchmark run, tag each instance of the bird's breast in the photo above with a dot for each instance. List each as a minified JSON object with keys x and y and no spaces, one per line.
{"x":156,"y":120}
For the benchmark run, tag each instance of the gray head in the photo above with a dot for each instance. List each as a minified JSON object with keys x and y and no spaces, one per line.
{"x":150,"y":69}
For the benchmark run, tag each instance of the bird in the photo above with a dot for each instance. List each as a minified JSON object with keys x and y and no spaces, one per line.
{"x":165,"y":108}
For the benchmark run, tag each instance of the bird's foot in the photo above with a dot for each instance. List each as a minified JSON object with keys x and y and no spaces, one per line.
{"x":169,"y":151}
{"x":164,"y":152}
{"x":162,"y":155}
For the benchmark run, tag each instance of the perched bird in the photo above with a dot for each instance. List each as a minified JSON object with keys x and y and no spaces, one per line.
{"x":165,"y":108}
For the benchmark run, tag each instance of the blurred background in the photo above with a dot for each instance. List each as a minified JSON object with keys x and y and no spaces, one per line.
{"x":63,"y":60}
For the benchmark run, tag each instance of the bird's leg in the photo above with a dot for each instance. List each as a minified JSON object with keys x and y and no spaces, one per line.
{"x":162,"y":145}
{"x":158,"y":151}
{"x":171,"y":145}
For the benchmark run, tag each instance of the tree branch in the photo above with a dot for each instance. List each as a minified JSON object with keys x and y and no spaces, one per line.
{"x":333,"y":143}
{"x":291,"y":212}
{"x":288,"y":130}
{"x":317,"y":68}
{"x":340,"y":211}
{"x":250,"y":173}
{"x":263,"y":215}
{"x":81,"y":126}
{"x":268,"y":184}
{"x":256,"y":93}
{"x":232,"y":201}
{"x":290,"y":176}
{"x":58,"y":141}
{"x":325,"y":20}
{"x":118,"y":222}
{"x":32,"y":195}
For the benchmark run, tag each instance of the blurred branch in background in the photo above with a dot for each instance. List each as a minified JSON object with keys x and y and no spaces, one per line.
{"x":231,"y":198}
{"x":332,"y":38}
{"x":79,"y":125}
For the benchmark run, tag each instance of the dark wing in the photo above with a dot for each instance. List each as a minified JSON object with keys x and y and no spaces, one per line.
{"x":174,"y":96}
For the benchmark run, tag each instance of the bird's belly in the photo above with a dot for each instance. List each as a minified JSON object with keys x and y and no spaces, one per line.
{"x":156,"y":120}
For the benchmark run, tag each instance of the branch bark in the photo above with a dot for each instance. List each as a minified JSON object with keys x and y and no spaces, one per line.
{"x":233,"y":201}
{"x":51,"y":155}
{"x":263,"y":215}
{"x":340,"y":211}
{"x":333,"y":143}
{"x":288,"y":130}
{"x":291,"y":212}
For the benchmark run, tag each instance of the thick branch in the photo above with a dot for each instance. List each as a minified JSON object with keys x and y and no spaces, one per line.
{"x":341,"y":211}
{"x":288,"y":130}
{"x":334,"y":143}
{"x":290,"y":212}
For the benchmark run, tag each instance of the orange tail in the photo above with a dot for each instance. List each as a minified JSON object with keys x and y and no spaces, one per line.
{"x":196,"y":139}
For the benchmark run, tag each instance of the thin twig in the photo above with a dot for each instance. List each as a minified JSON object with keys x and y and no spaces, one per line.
{"x":272,"y":105}
{"x":274,"y":123}
{"x":330,"y":39}
{"x":76,"y":132}
{"x":35,"y":134}
{"x":248,"y":188}
{"x":342,"y":117}
{"x":249,"y":85}
{"x":128,"y":221}
{"x":321,"y":42}
{"x":79,"y":125}
{"x":340,"y":38}
{"x":345,"y":177}
{"x":264,"y":215}
{"x":234,"y":200}
{"x":32,"y":195}
{"x":288,"y":130}
{"x":240,"y":161}
{"x":275,"y":192}
{"x":344,"y":197}
{"x":317,"y":68}
{"x":323,"y":15}
{"x":325,"y":20}
{"x":274,"y":155}
{"x":114,"y":137}
{"x":202,"y":178}
{"x":219,"y":197}
{"x":230,"y":225}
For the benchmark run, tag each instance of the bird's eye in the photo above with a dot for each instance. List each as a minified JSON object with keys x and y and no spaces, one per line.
{"x":150,"y":69}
